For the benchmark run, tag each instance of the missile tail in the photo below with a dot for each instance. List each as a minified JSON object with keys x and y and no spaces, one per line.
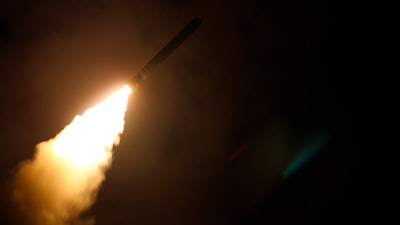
{"x":165,"y":52}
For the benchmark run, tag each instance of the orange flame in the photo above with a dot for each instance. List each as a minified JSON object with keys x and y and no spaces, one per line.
{"x":62,"y":180}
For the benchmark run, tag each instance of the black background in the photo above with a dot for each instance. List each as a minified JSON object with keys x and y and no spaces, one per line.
{"x":208,"y":136}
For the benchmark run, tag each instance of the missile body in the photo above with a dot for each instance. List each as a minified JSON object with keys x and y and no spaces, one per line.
{"x":165,"y":52}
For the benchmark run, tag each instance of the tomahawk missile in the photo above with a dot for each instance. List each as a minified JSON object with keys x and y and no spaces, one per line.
{"x":144,"y":73}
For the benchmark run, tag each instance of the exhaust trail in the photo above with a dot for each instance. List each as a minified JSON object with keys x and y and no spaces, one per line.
{"x":62,"y":180}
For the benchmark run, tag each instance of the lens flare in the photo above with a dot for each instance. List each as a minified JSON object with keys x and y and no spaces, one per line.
{"x":62,"y":180}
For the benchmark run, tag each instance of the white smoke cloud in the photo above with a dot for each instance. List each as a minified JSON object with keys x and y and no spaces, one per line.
{"x":62,"y":180}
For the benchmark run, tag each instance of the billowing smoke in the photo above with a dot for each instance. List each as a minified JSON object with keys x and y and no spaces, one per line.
{"x":63,"y":178}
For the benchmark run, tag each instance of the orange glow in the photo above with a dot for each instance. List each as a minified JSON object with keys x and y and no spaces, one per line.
{"x":62,"y":180}
{"x":90,"y":137}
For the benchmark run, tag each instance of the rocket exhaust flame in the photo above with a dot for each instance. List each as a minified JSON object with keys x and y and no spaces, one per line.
{"x":62,"y":180}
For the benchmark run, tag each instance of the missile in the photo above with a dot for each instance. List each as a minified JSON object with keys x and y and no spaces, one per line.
{"x":144,"y":73}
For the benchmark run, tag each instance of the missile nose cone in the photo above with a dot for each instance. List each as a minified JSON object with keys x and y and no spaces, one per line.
{"x":196,"y":22}
{"x":166,"y":51}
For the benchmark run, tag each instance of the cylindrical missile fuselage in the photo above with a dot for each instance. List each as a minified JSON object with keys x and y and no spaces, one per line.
{"x":166,"y":51}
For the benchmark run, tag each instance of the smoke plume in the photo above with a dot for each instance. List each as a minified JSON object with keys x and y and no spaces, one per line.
{"x":63,"y":178}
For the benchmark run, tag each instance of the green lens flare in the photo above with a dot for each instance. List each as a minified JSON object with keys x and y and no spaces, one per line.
{"x":305,"y":154}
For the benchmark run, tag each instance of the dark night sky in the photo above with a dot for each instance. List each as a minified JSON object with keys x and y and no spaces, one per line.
{"x":262,"y":78}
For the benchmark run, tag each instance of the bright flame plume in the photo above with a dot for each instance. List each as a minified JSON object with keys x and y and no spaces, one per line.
{"x":62,"y":180}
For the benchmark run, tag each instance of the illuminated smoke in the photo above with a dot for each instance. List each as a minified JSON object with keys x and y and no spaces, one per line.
{"x":62,"y":180}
